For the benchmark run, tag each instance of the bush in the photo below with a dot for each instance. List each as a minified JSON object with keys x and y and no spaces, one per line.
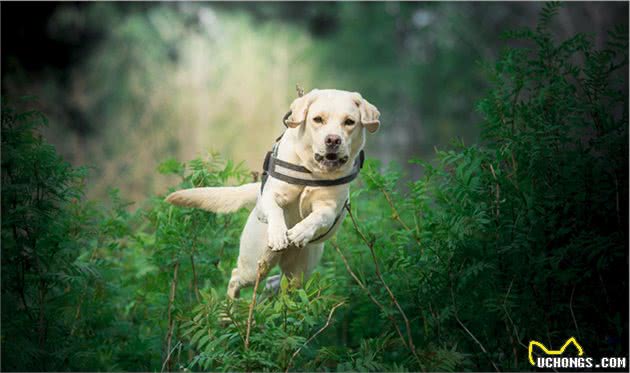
{"x":46,"y":239}
{"x":521,"y":237}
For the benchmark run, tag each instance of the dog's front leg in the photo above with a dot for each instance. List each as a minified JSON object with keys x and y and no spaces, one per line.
{"x":272,"y":203}
{"x":322,"y":216}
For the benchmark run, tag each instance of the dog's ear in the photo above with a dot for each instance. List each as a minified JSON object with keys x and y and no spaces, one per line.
{"x":299,"y":109}
{"x":369,"y":114}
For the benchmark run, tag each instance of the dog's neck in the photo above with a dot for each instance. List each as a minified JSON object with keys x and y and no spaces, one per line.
{"x":289,"y":154}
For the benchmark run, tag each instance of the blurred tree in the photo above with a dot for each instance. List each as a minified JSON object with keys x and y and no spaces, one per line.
{"x":125,"y":82}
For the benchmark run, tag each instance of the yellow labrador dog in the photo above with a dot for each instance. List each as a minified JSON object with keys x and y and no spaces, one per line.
{"x":301,"y":202}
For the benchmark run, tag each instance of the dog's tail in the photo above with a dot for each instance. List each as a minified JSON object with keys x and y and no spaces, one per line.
{"x":220,"y":199}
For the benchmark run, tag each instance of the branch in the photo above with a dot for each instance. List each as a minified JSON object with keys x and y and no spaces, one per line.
{"x":573,"y":314}
{"x":396,"y":217}
{"x":21,"y":281}
{"x":332,"y":311}
{"x":171,"y":321}
{"x":369,"y":294}
{"x":370,"y":245}
{"x":299,"y":90}
{"x":518,"y":338}
{"x":77,"y":313}
{"x":168,"y":357}
{"x":507,"y":328}
{"x":455,"y":313}
{"x":194,"y":271}
{"x":515,"y":331}
{"x":498,"y":190}
{"x":262,"y":271}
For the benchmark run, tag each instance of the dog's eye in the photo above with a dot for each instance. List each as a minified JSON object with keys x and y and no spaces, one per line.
{"x":348,"y":122}
{"x":318,"y":120}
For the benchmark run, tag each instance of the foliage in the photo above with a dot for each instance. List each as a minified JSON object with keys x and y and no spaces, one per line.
{"x":514,"y":239}
{"x":46,"y":241}
{"x":281,"y":324}
{"x":87,"y":288}
{"x":522,"y":236}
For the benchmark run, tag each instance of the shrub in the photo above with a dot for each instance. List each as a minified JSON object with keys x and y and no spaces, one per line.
{"x":521,"y":237}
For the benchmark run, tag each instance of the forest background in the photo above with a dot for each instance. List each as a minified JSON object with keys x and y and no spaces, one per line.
{"x":492,"y":211}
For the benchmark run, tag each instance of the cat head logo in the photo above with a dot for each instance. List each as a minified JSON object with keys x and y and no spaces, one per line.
{"x":569,"y":342}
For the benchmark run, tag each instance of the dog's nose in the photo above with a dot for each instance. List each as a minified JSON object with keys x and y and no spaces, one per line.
{"x":332,"y":141}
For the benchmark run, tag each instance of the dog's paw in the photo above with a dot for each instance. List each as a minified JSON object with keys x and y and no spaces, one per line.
{"x":301,"y":234}
{"x":277,"y":237}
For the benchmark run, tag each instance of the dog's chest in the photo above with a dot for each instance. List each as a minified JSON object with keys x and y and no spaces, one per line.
{"x":301,"y":207}
{"x":305,"y":202}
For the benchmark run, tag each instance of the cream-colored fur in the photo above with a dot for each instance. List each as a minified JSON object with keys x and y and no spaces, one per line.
{"x":288,"y":217}
{"x":221,"y":199}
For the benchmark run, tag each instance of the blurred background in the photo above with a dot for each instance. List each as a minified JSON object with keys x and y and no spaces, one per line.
{"x":128,"y":85}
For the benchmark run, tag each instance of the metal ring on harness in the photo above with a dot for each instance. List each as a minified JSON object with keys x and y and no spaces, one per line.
{"x":284,"y":120}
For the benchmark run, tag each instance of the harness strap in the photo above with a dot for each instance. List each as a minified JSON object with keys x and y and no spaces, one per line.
{"x":265,"y":175}
{"x":270,"y":168}
{"x":346,"y":205}
{"x":284,"y":120}
{"x":290,"y":166}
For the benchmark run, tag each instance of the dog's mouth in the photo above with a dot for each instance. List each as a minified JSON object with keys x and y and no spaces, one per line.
{"x":330,"y":160}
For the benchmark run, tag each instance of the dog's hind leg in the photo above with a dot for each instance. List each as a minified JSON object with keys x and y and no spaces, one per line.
{"x":235,"y":285}
{"x":243,"y":277}
{"x":252,"y":249}
{"x":299,"y":263}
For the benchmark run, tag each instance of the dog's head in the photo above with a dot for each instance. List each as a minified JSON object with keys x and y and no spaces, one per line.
{"x":331,"y":127}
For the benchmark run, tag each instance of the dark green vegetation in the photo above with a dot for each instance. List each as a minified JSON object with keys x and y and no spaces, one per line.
{"x":523,"y":236}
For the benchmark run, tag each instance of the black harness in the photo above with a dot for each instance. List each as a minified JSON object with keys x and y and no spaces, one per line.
{"x":277,"y":169}
{"x":271,"y":164}
{"x":285,"y":171}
